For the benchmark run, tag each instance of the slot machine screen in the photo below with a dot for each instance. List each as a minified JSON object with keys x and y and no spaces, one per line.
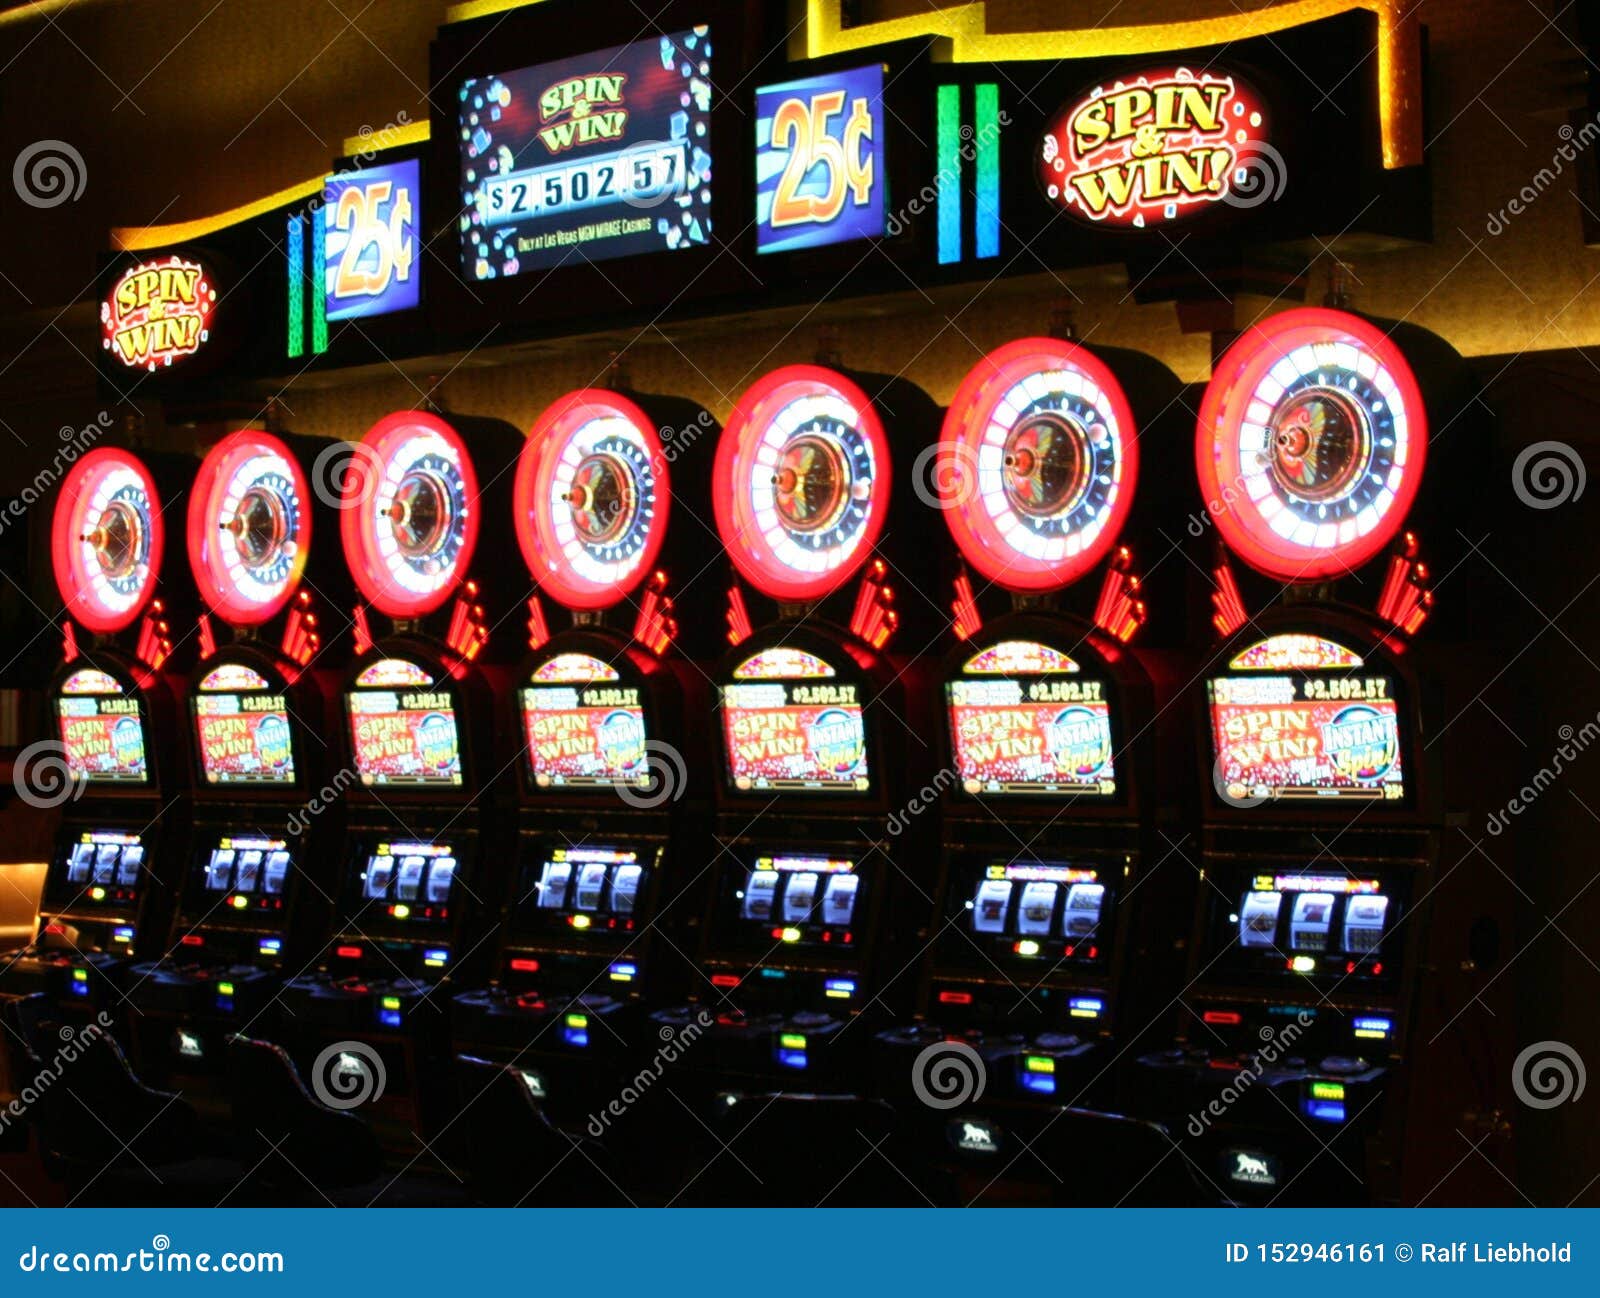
{"x":603,"y":155}
{"x":795,"y":900}
{"x":242,"y":729}
{"x":246,"y":875}
{"x":1034,"y":910}
{"x":412,"y":884}
{"x":1278,"y":924}
{"x":790,"y":725}
{"x":1025,"y":720}
{"x":404,"y":731}
{"x":100,"y":869}
{"x":1305,"y":719}
{"x":587,"y":888}
{"x":584,"y":726}
{"x":102,"y":730}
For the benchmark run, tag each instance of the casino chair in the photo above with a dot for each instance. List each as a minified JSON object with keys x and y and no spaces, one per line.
{"x":309,"y":1153}
{"x":104,"y":1135}
{"x":836,"y":1151}
{"x":516,"y":1156}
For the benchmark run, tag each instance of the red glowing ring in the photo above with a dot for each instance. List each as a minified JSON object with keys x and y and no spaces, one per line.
{"x":801,"y":482}
{"x":1311,"y":443}
{"x":249,"y":527}
{"x":410,"y":504}
{"x":106,"y":539}
{"x":591,"y":497}
{"x":1037,"y":464}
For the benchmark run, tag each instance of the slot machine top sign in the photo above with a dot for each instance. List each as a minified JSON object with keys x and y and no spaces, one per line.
{"x":107,"y":539}
{"x":1156,"y":147}
{"x":158,"y":312}
{"x":801,"y":482}
{"x":249,"y":527}
{"x":1038,"y":459}
{"x":592,"y":497}
{"x":1310,"y":443}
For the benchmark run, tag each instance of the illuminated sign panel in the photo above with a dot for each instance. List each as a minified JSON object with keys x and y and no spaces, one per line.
{"x":158,"y":312}
{"x":600,"y":156}
{"x":1158,"y":147}
{"x":819,"y":160}
{"x":371,"y":263}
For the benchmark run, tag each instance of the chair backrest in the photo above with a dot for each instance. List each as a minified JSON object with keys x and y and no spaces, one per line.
{"x":1105,"y":1159}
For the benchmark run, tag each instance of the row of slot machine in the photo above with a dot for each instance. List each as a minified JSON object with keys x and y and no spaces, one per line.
{"x":1101,"y":778}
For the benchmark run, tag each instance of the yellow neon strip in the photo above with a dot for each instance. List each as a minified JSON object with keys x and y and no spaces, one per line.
{"x":387,"y":137}
{"x":470,"y":9}
{"x":966,"y":27}
{"x":136,"y":238}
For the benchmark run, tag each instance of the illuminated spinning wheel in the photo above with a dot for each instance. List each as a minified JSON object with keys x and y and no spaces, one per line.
{"x":801,"y":482}
{"x":107,"y":539}
{"x":1310,"y":444}
{"x":1038,"y":459}
{"x":591,"y":497}
{"x":249,"y":527}
{"x":410,"y":507}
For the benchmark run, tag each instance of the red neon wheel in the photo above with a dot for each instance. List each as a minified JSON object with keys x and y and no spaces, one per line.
{"x":801,"y":483}
{"x":592,"y":496}
{"x":1038,"y":460}
{"x":1311,"y":442}
{"x":106,"y":539}
{"x":410,"y":507}
{"x":249,"y":527}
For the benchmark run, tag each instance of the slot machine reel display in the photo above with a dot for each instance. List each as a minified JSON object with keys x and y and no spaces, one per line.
{"x":1049,"y":722}
{"x":260,"y":717}
{"x":114,"y":715}
{"x":596,"y":724}
{"x":814,"y":744}
{"x":417,"y":725}
{"x":1331,"y":887}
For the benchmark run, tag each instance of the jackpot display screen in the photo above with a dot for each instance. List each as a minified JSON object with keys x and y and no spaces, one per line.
{"x":1310,"y":924}
{"x":102,"y":730}
{"x":411,"y":883}
{"x":588,"y":158}
{"x":1025,"y":720}
{"x":797,"y":900}
{"x":584,"y":726}
{"x":404,"y":736}
{"x":789,"y":725}
{"x":1300,"y":735}
{"x":1060,"y":911}
{"x":242,"y":730}
{"x":594,"y":888}
{"x":101,"y":868}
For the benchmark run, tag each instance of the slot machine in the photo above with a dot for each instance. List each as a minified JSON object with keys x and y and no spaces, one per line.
{"x":114,"y":710}
{"x":372,"y":1016}
{"x":815,"y":744}
{"x":1048,"y":800}
{"x":1340,"y":922}
{"x":609,"y":829}
{"x":250,"y":884}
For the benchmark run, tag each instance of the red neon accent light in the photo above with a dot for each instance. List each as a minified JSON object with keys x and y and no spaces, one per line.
{"x":192,"y":939}
{"x":955,"y":998}
{"x":237,"y":488}
{"x":1119,"y":611}
{"x":523,"y":965}
{"x":107,"y":539}
{"x":724,"y":980}
{"x":538,"y":628}
{"x":586,"y":440}
{"x":1405,"y":600}
{"x":1227,"y":605}
{"x":968,"y":621}
{"x":347,"y":952}
{"x":362,"y":629}
{"x":996,"y":428}
{"x":69,"y":642}
{"x":154,"y":643}
{"x":655,"y":627}
{"x":760,"y":460}
{"x":393,"y":467}
{"x":207,"y":637}
{"x":1225,"y":1018}
{"x":739,"y":628}
{"x":467,"y":633}
{"x":1245,"y":407}
{"x":874,"y":618}
{"x":300,"y":639}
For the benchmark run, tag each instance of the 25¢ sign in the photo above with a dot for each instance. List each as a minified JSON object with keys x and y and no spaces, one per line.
{"x":370,"y":241}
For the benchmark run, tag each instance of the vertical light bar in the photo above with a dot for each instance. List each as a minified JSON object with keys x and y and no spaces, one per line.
{"x":948,"y":120}
{"x":295,"y":255}
{"x":986,"y":206}
{"x":319,"y":287}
